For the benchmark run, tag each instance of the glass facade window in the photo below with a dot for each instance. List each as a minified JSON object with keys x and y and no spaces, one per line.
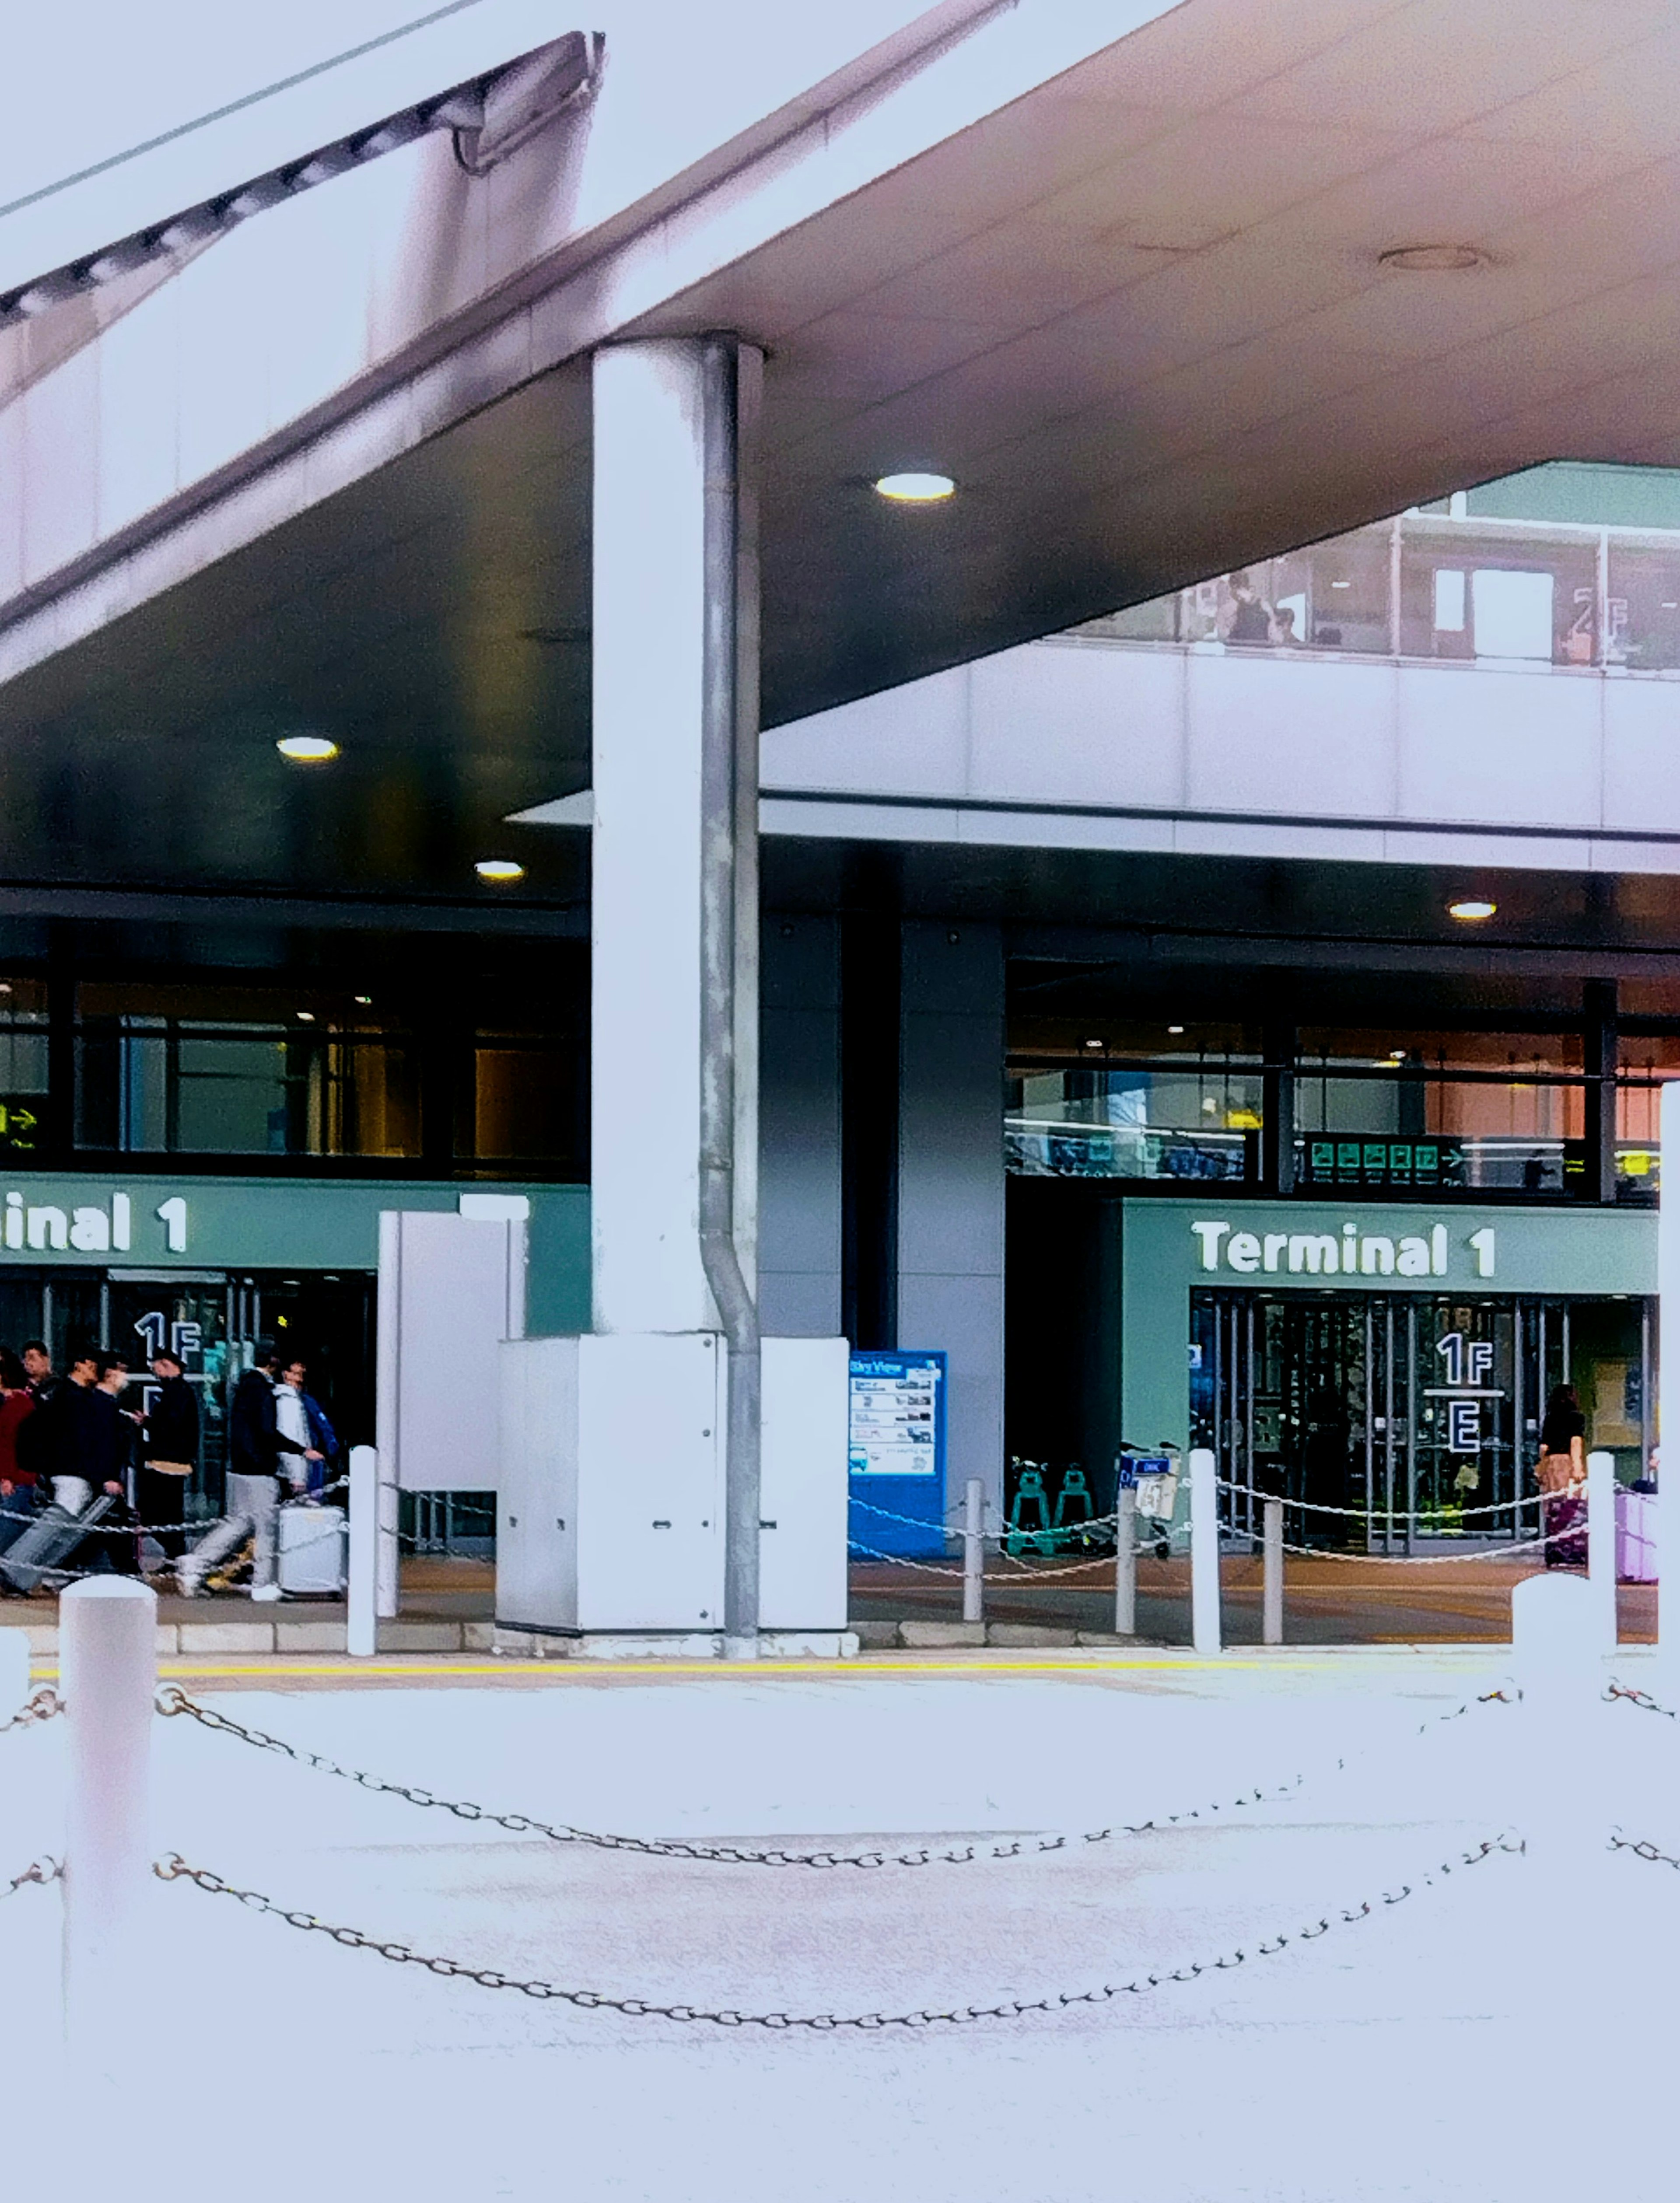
{"x":524,"y":1102}
{"x":204,"y":1071}
{"x":1645,"y":1063}
{"x":1189,"y":1124}
{"x":1475,"y":588}
{"x":1441,"y":1111}
{"x":23,"y":1065}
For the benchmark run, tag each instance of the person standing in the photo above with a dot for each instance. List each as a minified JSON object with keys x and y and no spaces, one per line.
{"x":65,"y":1425}
{"x":1562,"y":1475}
{"x":304,"y":1431}
{"x":253,"y":1485}
{"x":171,"y":1454}
{"x":19,"y":1482}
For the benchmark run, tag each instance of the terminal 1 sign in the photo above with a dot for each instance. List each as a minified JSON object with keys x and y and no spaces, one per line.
{"x":1351,"y":1252}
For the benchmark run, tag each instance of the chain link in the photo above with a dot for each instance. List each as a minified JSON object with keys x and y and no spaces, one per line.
{"x":1647,"y":1851}
{"x":39,"y":1871}
{"x":174,"y":1868}
{"x":39,"y":1706}
{"x":1643,"y":1699}
{"x":172,"y":1701}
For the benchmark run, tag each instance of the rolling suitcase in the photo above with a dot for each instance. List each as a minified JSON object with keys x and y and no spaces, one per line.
{"x":49,"y":1540}
{"x":309,"y":1551}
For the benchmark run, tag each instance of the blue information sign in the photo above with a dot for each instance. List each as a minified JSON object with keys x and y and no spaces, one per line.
{"x":898,"y":1453}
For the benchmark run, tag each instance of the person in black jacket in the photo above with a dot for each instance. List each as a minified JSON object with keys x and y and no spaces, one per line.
{"x":253,"y":1486}
{"x":171,"y":1453}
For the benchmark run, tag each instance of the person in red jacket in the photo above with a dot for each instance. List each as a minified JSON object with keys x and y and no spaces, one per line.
{"x":18,"y":1485}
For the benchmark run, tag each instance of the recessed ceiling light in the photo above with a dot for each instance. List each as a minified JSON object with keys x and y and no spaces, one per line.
{"x":1470,"y":907}
{"x":1096,"y":1044}
{"x":1432,"y":259}
{"x":306,"y":1017}
{"x":307,"y":749}
{"x":499,"y":869}
{"x":1397,"y":1055}
{"x":364,"y":999}
{"x":1175,"y":1029}
{"x":916,"y":489}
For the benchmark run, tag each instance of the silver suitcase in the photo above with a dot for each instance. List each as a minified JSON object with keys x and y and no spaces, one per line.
{"x":310,"y":1553}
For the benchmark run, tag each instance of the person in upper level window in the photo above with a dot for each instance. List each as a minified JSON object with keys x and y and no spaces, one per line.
{"x":1247,"y":618}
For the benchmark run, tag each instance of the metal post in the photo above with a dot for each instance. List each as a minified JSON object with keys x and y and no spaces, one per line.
{"x":1271,"y":1596}
{"x":108,"y":1635}
{"x":973,"y":1549}
{"x":1204,"y":1552}
{"x":1601,"y":1545}
{"x":387,"y":1516}
{"x":1125,"y":1562}
{"x":361,"y":1620}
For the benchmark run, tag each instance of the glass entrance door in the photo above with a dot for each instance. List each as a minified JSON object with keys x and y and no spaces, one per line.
{"x":188,"y":1315}
{"x":1418,"y":1415}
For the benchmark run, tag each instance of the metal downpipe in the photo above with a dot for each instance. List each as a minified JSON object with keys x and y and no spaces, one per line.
{"x":720,"y":1256}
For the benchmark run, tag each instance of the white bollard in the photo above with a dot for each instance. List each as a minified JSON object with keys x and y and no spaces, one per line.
{"x":1601,"y":1545}
{"x":362,"y":1621}
{"x":973,"y":1550}
{"x":1205,"y":1634}
{"x":1125,"y":1562}
{"x":387,"y":1516}
{"x":108,"y":1636}
{"x":1271,"y":1590}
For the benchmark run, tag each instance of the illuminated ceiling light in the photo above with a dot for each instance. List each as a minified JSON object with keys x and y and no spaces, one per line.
{"x":1433,"y":259}
{"x":915,"y":489}
{"x":1175,"y":1029}
{"x":306,"y":1017}
{"x":307,"y":749}
{"x":1341,"y":585}
{"x":1096,"y":1044}
{"x":1397,"y":1055}
{"x":364,"y":999}
{"x":1470,"y":907}
{"x":500,"y":870}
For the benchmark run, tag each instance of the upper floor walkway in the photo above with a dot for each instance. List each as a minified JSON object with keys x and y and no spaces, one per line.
{"x":1452,"y":686}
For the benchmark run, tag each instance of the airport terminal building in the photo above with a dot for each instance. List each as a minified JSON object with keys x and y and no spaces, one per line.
{"x":1166,"y":908}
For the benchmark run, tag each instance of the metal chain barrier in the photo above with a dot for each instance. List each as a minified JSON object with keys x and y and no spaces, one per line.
{"x":1647,"y":1852}
{"x":38,"y":1872}
{"x":39,"y":1706}
{"x":1379,"y":1514}
{"x":1490,"y":1552}
{"x":173,"y":1867}
{"x":172,"y":1701}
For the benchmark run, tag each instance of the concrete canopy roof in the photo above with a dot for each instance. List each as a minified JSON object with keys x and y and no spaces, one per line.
{"x":1140,"y":312}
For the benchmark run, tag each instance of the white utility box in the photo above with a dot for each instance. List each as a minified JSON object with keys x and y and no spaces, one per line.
{"x":610,"y":1515}
{"x":802,"y":1491}
{"x":610,"y":1519}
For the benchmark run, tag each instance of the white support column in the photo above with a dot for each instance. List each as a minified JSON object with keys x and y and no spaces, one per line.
{"x":1601,"y":1545}
{"x":1205,"y":1618}
{"x":108,"y":1668}
{"x":649,"y":651}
